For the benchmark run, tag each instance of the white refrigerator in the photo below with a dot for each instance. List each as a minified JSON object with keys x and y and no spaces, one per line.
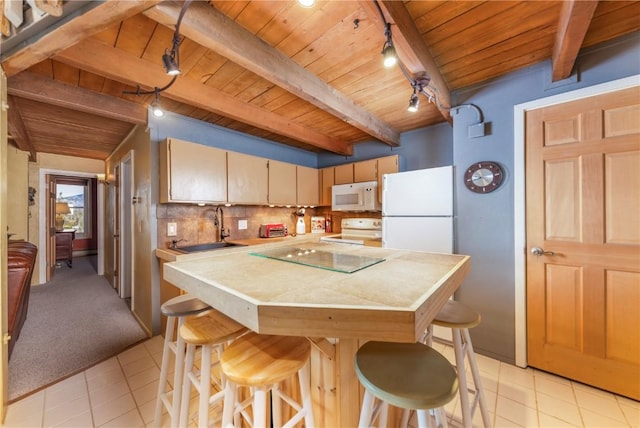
{"x":417,"y":210}
{"x":417,"y":214}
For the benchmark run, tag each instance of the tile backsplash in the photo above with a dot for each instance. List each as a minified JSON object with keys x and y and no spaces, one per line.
{"x":195,"y":224}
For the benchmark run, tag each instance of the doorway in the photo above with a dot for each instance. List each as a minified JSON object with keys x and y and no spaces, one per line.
{"x":125,"y":228}
{"x":595,"y":332}
{"x":46,"y":218}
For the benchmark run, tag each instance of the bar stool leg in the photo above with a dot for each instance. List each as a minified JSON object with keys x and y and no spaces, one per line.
{"x":228,"y":410}
{"x":440,"y":418}
{"x":304,"y":378}
{"x":186,"y":387}
{"x":462,"y":377}
{"x":477,"y":381}
{"x":259,"y":407}
{"x":205,"y":387}
{"x":178,"y":376}
{"x":164,"y":369}
{"x":366,"y":410}
{"x":276,"y":407}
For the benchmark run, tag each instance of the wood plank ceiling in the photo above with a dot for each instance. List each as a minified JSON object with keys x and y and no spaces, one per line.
{"x":306,"y":77}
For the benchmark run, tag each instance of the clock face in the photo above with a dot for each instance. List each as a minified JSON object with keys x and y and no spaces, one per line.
{"x":483,"y":177}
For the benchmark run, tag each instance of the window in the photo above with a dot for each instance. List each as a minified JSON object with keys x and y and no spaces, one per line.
{"x":77,"y":194}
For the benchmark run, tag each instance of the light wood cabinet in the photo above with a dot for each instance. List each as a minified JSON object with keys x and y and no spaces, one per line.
{"x":308,"y":189}
{"x":282,"y":183}
{"x":326,"y":181}
{"x":386,"y":165}
{"x":343,"y":174}
{"x":248,"y":179}
{"x":192,"y":172}
{"x":365,"y":171}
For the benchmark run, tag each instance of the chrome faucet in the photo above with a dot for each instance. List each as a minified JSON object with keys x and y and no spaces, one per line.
{"x":221,"y":232}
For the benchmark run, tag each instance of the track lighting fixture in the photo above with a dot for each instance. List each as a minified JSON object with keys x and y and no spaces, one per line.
{"x":388,"y":51}
{"x":156,"y":107}
{"x":170,"y":63}
{"x":414,"y":102}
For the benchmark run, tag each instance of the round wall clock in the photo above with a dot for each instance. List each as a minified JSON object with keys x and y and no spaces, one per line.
{"x":483,"y":177}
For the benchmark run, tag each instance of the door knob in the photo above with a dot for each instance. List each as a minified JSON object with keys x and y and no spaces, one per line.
{"x":537,"y":251}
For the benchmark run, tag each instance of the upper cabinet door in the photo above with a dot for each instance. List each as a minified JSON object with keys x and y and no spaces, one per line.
{"x":327,"y":181}
{"x":308,"y":186}
{"x":192,"y":172}
{"x":365,"y":171}
{"x":282,"y":183}
{"x":386,"y":165}
{"x":248,"y":179}
{"x":344,"y":174}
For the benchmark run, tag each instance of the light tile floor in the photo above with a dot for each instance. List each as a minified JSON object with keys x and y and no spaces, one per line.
{"x":120,"y":392}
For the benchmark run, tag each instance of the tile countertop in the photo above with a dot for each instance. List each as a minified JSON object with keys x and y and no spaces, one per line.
{"x":394,"y":300}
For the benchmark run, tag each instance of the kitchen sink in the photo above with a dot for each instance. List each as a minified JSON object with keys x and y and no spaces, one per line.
{"x":206,"y":247}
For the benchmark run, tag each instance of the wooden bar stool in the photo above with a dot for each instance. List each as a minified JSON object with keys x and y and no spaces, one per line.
{"x":211,"y":331}
{"x":175,"y":309}
{"x":460,"y":318}
{"x":262,"y":362}
{"x":406,"y":375}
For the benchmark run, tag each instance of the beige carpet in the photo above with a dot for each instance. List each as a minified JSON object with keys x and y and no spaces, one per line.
{"x":74,"y":321}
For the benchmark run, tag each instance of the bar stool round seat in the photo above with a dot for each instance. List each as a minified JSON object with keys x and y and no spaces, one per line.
{"x":456,"y":315}
{"x":175,"y":309}
{"x":406,"y":375}
{"x":211,"y":331}
{"x":262,"y":362}
{"x":460,"y":318}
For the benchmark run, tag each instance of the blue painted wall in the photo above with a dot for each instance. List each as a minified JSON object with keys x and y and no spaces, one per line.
{"x":485,"y":223}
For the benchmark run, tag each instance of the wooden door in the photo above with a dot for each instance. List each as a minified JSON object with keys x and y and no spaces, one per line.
{"x":50,"y":222}
{"x":583,"y":211}
{"x":4,"y":318}
{"x":116,"y":229}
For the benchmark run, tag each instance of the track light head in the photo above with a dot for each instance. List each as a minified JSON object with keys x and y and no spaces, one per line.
{"x":414,"y":103}
{"x":170,"y":64}
{"x":388,"y":51}
{"x":390,"y":56}
{"x":156,"y":107}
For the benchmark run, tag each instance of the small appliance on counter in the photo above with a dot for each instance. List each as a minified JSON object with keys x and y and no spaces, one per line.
{"x":359,"y":231}
{"x":273,"y":230}
{"x":300,"y":226}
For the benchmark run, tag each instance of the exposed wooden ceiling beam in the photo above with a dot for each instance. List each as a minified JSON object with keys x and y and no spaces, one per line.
{"x":212,"y":29}
{"x":411,"y":48}
{"x":573,"y":24}
{"x":39,"y":88}
{"x":17,"y":129}
{"x":85,"y":25}
{"x":96,"y":57}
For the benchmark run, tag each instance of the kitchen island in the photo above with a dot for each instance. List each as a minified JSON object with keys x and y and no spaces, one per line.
{"x":394,"y":299}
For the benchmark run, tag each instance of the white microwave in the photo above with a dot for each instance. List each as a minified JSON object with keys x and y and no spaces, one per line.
{"x":355,"y":197}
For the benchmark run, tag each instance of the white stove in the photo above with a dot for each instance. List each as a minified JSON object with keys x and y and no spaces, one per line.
{"x":357,"y":231}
